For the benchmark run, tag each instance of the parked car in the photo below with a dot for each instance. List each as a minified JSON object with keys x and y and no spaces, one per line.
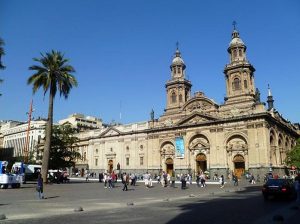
{"x":279,"y":188}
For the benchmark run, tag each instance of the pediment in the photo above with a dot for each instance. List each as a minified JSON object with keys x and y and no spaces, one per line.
{"x":198,"y":144}
{"x":200,"y":103}
{"x":110,"y":132}
{"x":196,"y":118}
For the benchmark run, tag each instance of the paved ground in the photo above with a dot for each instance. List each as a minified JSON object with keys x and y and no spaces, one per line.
{"x":242,"y":204}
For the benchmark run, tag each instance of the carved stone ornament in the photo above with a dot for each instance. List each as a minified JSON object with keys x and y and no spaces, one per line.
{"x":237,"y":145}
{"x":168,"y":149}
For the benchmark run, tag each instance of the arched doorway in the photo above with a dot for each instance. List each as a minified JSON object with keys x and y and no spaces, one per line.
{"x":201,"y":161}
{"x":110,"y":166}
{"x":239,"y":165}
{"x":169,"y":166}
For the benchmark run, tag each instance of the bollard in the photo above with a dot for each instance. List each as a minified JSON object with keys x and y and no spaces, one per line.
{"x":78,"y":209}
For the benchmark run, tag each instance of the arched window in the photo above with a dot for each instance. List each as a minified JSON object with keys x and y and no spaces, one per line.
{"x":173,"y":97}
{"x":240,"y":52}
{"x":234,"y":53}
{"x":178,"y":70}
{"x":180,"y":98}
{"x":236,"y":84}
{"x":174,"y":69}
{"x":245,"y":84}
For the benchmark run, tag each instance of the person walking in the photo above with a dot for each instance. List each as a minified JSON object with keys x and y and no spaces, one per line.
{"x":198,"y":179}
{"x":202,"y":180}
{"x":87,"y":174}
{"x":222,"y":181}
{"x":235,"y":180}
{"x":40,"y":187}
{"x":124,"y":181}
{"x":183,"y":182}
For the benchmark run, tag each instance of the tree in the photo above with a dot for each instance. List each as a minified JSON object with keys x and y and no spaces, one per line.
{"x":53,"y":74}
{"x":293,"y":156}
{"x":2,"y":52}
{"x":63,"y":142}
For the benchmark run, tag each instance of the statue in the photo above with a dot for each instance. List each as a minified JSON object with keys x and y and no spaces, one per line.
{"x":118,"y":166}
{"x":152,"y":115}
{"x":257,"y":96}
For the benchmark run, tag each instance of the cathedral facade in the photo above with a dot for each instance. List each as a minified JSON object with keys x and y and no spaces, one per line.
{"x":195,"y":133}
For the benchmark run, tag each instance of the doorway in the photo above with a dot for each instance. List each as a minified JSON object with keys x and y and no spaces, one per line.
{"x":169,"y":166}
{"x":201,"y":163}
{"x":110,"y":166}
{"x":239,"y":165}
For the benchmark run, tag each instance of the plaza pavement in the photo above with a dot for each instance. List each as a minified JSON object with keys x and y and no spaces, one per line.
{"x":63,"y":199}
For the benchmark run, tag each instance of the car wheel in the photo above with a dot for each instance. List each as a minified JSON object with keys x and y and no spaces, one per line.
{"x":4,"y":186}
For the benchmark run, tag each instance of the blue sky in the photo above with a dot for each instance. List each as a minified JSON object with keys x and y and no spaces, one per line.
{"x":122,"y":51}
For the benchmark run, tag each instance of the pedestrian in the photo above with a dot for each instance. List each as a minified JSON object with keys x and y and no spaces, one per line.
{"x":190,"y":179}
{"x":109,"y":179}
{"x":235,"y":180}
{"x":202,"y":180}
{"x":173,"y":180}
{"x":183,"y":182}
{"x":221,"y":180}
{"x":105,"y":179}
{"x":252,"y":179}
{"x":87,"y":174}
{"x":198,"y":179}
{"x":100,"y":177}
{"x":146,"y":178}
{"x":124,"y":181}
{"x":40,"y":187}
{"x":297,"y":187}
{"x":132,"y":178}
{"x":158,"y":178}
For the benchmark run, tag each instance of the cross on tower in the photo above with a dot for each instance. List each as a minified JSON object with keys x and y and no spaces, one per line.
{"x":234,"y":24}
{"x":177,"y":44}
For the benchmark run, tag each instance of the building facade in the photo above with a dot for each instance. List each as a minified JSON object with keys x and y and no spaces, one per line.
{"x":82,"y":122}
{"x":195,"y":133}
{"x":21,"y":138}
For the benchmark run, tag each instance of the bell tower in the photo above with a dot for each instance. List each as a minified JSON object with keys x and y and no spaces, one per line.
{"x":239,"y":73}
{"x":178,"y":87}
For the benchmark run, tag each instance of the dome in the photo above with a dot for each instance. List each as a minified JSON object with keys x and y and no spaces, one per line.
{"x":236,"y":41}
{"x":177,"y":60}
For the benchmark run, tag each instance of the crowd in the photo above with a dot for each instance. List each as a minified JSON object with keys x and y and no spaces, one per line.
{"x":165,"y":179}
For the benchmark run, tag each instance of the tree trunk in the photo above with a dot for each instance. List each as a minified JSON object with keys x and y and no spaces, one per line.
{"x":48,"y":134}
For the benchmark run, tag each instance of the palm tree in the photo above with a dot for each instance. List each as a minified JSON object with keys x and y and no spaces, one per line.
{"x":53,"y":74}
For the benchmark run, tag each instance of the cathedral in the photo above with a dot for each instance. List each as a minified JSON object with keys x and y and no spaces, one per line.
{"x":195,"y":134}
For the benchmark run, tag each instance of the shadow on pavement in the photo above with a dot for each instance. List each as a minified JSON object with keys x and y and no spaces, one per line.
{"x":230,"y":207}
